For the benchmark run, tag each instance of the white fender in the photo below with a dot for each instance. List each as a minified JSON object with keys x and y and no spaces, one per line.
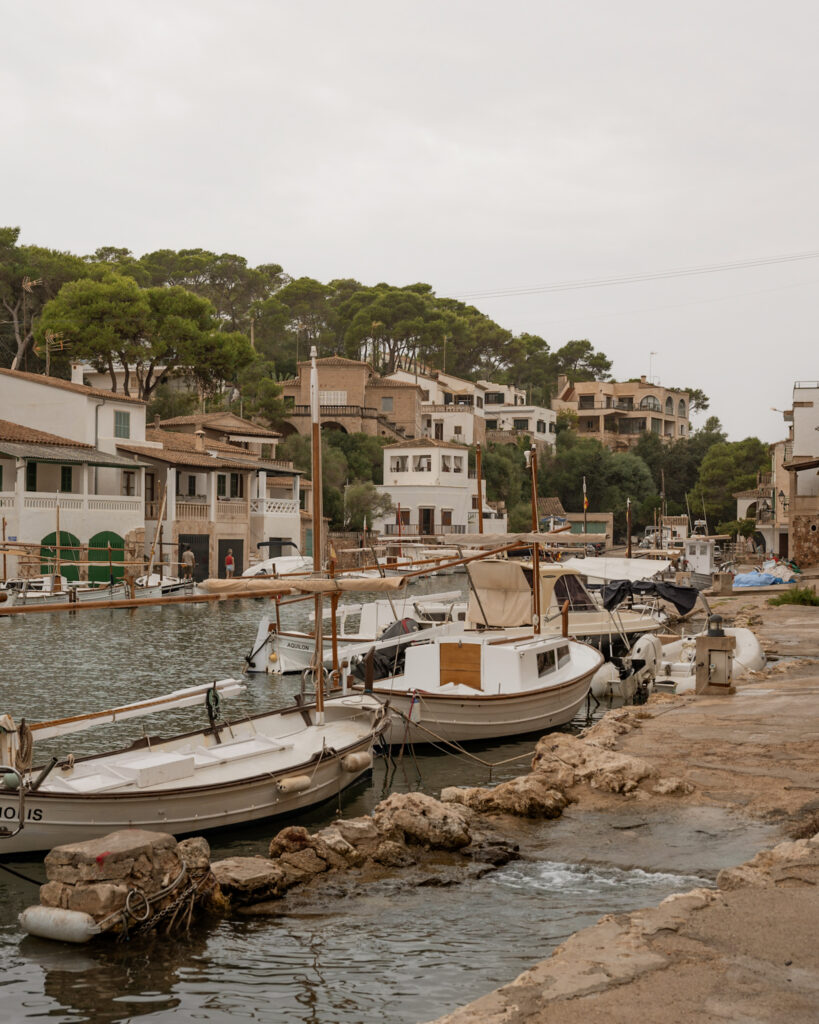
{"x":294,"y":784}
{"x":58,"y":924}
{"x":357,"y":762}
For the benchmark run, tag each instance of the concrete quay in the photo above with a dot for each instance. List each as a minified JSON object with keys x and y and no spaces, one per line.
{"x":747,"y":950}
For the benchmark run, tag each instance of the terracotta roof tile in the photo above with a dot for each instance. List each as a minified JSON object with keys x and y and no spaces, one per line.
{"x":67,"y":385}
{"x":425,"y":442}
{"x":188,"y":442}
{"x":28,"y":435}
{"x":227,"y":422}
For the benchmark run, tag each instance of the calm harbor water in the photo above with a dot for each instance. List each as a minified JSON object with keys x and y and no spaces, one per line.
{"x":386,"y":951}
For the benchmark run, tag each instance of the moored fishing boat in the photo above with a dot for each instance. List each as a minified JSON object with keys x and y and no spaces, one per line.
{"x":482,"y":685}
{"x":230,"y":773}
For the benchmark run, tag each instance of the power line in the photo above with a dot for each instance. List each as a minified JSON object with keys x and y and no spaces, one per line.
{"x":607,"y":282}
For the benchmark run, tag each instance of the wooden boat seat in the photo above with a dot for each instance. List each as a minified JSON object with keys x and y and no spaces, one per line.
{"x":236,"y":750}
{"x":96,"y":783}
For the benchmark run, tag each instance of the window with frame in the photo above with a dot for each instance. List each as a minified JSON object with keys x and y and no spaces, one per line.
{"x":446,"y":517}
{"x":650,"y":402}
{"x":128,"y":483}
{"x":66,"y":479}
{"x":191,"y":486}
{"x":387,"y":403}
{"x":491,"y":424}
{"x":237,"y":485}
{"x":458,"y":464}
{"x":404,"y":517}
{"x":1,"y":477}
{"x":521,"y":424}
{"x":221,"y":485}
{"x":456,"y":429}
{"x":122,"y":423}
{"x":541,"y":426}
{"x":493,"y":398}
{"x":31,"y":476}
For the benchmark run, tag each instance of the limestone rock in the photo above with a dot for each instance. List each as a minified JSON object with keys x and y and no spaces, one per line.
{"x":779,"y":866}
{"x":358,"y":832}
{"x":672,"y":786}
{"x":133,"y":854}
{"x":392,"y":854}
{"x":419,"y":818}
{"x":333,"y":839}
{"x":249,"y":879}
{"x":55,"y":894}
{"x":558,"y":753}
{"x":307,"y":861}
{"x":289,"y":840}
{"x":529,"y":796}
{"x":97,"y":899}
{"x":195,"y":854}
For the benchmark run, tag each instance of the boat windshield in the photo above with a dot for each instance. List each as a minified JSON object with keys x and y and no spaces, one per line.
{"x":569,"y":588}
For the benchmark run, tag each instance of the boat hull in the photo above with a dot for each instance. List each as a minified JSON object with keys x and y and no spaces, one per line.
{"x":429,"y":718}
{"x":266,"y":791}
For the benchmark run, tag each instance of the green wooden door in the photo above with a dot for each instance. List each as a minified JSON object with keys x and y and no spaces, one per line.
{"x":110,"y":568}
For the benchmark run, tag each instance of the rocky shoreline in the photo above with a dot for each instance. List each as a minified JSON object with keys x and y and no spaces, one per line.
{"x":744,"y":952}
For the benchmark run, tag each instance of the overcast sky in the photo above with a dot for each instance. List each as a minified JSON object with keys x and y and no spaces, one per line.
{"x":478,"y":146}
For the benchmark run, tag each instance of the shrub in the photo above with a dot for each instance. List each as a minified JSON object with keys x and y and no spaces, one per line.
{"x":799,"y":595}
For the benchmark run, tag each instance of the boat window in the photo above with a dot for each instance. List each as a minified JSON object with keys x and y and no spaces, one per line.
{"x":545,"y":662}
{"x":569,"y":588}
{"x":563,"y":656}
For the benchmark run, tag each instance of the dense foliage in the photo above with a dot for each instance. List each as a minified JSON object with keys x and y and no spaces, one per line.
{"x":234,"y":331}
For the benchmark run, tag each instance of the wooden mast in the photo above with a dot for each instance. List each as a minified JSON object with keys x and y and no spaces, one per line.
{"x":532,"y":453}
{"x":318,"y":511}
{"x":480,"y":487}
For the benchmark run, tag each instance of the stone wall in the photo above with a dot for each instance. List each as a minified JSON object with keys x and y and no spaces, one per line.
{"x":805,"y":540}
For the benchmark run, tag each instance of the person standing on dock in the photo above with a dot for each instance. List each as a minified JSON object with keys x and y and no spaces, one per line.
{"x":188,"y":562}
{"x":229,"y":564}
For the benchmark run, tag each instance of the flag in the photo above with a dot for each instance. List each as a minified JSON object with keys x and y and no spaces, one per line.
{"x":585,"y":497}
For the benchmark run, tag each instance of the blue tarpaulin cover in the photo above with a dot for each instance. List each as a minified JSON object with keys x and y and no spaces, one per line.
{"x":755,"y":579}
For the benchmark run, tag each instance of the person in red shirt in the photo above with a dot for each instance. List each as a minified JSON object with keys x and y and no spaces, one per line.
{"x":229,"y":563}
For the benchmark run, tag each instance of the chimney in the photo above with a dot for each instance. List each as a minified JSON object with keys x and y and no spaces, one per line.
{"x":77,"y":374}
{"x":643,"y":379}
{"x":156,"y":422}
{"x":200,"y":440}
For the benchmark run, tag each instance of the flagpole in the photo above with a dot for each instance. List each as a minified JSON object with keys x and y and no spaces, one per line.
{"x":585,"y":507}
{"x":318,"y":513}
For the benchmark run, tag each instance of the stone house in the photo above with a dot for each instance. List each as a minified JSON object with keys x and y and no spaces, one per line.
{"x":617,"y":413}
{"x":354,"y":399}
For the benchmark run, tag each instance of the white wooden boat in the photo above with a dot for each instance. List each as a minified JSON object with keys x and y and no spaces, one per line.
{"x":154,"y":585}
{"x":285,"y":651}
{"x":81,"y":593}
{"x":483,"y":685}
{"x":229,"y":774}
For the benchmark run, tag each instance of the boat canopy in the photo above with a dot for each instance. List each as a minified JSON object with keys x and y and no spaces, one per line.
{"x":683,"y":598}
{"x":500,"y":594}
{"x":617,"y":568}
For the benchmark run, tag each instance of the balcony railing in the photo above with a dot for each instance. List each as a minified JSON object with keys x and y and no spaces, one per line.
{"x":192,"y":509}
{"x":74,"y":502}
{"x":333,"y":410}
{"x":231,"y":508}
{"x":273,"y":507}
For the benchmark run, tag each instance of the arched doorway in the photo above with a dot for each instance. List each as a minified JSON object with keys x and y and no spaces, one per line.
{"x":69,"y":546}
{"x":108,"y":549}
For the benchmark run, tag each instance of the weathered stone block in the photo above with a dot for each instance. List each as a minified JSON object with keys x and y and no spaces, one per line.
{"x":421,"y":819}
{"x":99,"y":899}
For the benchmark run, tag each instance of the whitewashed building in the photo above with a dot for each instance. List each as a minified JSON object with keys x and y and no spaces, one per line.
{"x":72,"y":467}
{"x":432,"y":490}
